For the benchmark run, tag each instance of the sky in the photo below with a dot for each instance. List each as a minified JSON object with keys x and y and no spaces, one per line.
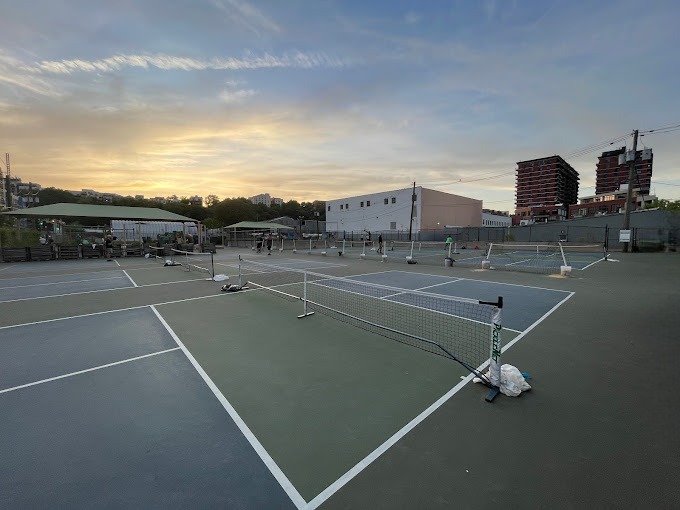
{"x":323,"y":99}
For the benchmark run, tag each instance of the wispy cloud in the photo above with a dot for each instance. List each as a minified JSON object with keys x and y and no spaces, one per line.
{"x":248,"y":16}
{"x":169,"y":62}
{"x":412,"y":17}
{"x":31,"y":83}
{"x":235,"y":96}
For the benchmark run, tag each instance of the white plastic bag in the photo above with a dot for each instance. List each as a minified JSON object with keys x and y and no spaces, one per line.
{"x":512,"y":381}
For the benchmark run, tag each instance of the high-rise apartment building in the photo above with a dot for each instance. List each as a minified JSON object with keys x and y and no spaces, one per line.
{"x":612,"y":171}
{"x":544,"y":189}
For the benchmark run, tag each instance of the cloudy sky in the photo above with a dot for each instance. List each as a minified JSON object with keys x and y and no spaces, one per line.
{"x":319,"y":99}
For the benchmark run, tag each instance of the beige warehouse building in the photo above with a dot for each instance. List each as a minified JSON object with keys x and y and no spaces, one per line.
{"x":391,"y":211}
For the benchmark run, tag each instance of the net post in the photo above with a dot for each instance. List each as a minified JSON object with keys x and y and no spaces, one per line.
{"x":212,"y":265}
{"x":564,"y":259}
{"x":305,"y":313}
{"x":496,"y":347}
{"x":240,"y":283}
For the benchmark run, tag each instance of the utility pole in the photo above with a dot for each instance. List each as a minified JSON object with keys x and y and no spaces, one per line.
{"x":3,"y":195}
{"x":629,"y":191}
{"x":413,"y":204}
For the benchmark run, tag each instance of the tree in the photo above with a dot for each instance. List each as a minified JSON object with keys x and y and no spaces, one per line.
{"x":50,"y":196}
{"x":233,"y":210}
{"x":211,"y":200}
{"x":669,"y":205}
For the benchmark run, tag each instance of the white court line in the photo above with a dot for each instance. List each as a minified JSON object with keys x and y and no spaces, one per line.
{"x":421,"y":288}
{"x":366,"y":461}
{"x":116,"y":262}
{"x":545,"y":315}
{"x":484,"y":281}
{"x":222,"y":294}
{"x":518,"y":262}
{"x":453,"y":280}
{"x":65,"y":282}
{"x":42,"y":381}
{"x":101,"y":290}
{"x":55,"y":274}
{"x":13,"y":265}
{"x":129,"y":278}
{"x":257,"y":446}
{"x":591,"y":264}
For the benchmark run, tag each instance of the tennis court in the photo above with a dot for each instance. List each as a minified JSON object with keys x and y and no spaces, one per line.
{"x":131,"y":383}
{"x":545,"y":258}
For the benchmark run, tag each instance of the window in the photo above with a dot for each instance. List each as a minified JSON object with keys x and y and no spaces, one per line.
{"x":386,"y":201}
{"x":329,"y":207}
{"x":394,"y":200}
{"x":393,"y":224}
{"x":361,"y":204}
{"x":346,"y":206}
{"x":368,"y":203}
{"x":341,"y":207}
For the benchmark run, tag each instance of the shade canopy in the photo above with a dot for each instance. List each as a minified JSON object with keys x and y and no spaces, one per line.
{"x":99,"y":211}
{"x":259,"y":225}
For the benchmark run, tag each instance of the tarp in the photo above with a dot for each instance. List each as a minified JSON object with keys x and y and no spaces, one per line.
{"x":99,"y":211}
{"x":259,"y":225}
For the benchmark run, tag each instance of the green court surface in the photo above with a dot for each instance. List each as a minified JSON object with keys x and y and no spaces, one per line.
{"x":352,"y":419}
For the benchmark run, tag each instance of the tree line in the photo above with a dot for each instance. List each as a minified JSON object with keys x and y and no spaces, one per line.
{"x":215,"y":213}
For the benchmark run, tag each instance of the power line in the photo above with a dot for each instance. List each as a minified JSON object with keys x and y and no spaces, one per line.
{"x":665,"y":129}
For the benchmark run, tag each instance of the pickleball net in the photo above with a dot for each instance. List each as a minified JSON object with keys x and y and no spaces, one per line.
{"x":200,"y":263}
{"x":465,"y":330}
{"x":546,"y":258}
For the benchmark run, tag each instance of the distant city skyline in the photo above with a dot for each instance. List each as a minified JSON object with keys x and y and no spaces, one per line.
{"x":318,"y":100}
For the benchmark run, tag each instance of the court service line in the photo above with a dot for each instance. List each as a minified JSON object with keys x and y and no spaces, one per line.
{"x":121,"y":309}
{"x":99,"y":290}
{"x":71,"y":374}
{"x":60,"y":283}
{"x":366,"y":461}
{"x":418,"y":289}
{"x":8,"y":267}
{"x":54,"y":274}
{"x":283,"y":480}
{"x":511,"y":284}
{"x":130,"y":278}
{"x":545,"y":315}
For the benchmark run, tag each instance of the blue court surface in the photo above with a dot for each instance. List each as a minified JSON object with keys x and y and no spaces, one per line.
{"x":32,"y":287}
{"x":523,"y":304}
{"x":102,"y":409}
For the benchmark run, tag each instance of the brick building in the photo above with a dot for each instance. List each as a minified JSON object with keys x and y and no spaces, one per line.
{"x":544,"y":189}
{"x":612,"y":171}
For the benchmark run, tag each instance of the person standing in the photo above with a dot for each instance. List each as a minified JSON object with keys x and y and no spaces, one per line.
{"x":269,"y":244}
{"x":108,"y":245}
{"x":449,"y":240}
{"x":380,"y":243}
